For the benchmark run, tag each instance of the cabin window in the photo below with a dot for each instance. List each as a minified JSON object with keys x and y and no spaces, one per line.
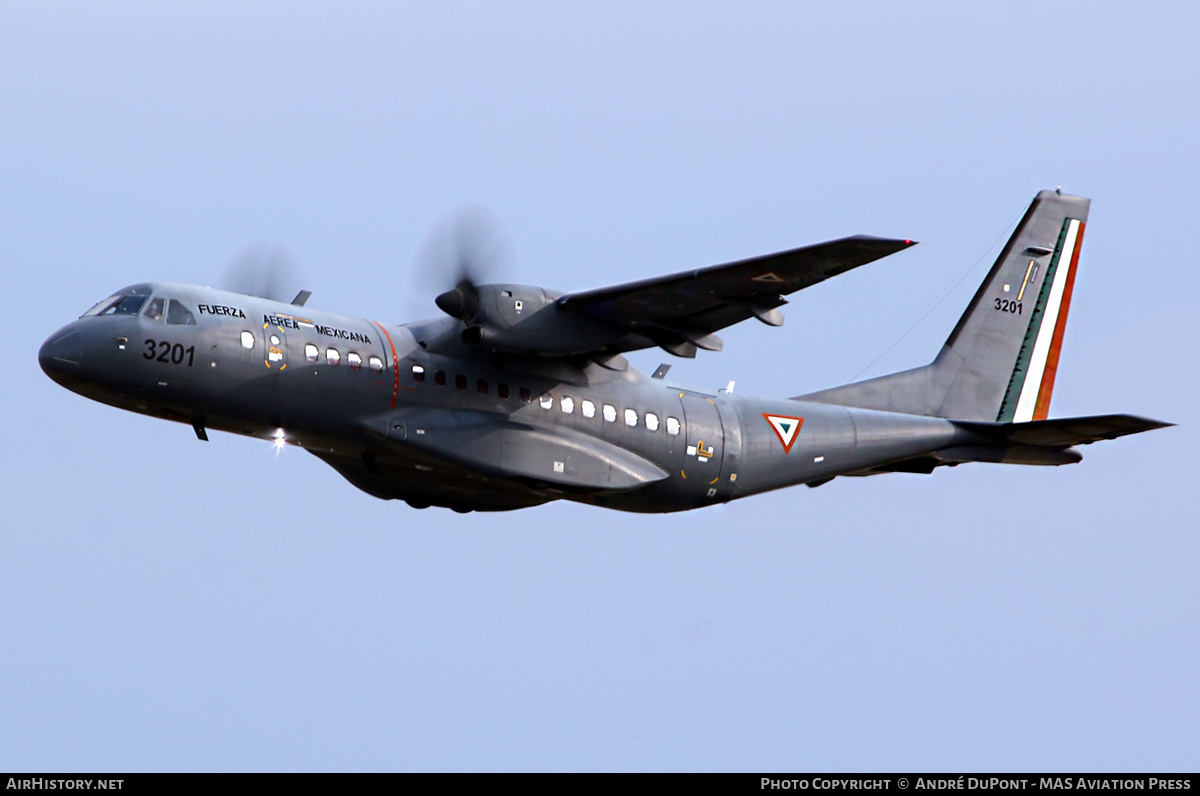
{"x":672,"y":426}
{"x":353,"y":360}
{"x":610,"y":413}
{"x":311,"y":353}
{"x":333,"y":356}
{"x":247,"y":340}
{"x":630,"y":417}
{"x":439,"y":378}
{"x":481,"y":386}
{"x":525,"y":395}
{"x":155,"y":311}
{"x":460,"y":381}
{"x":651,"y":421}
{"x":418,"y":373}
{"x":376,"y":364}
{"x":568,"y":404}
{"x":502,"y":391}
{"x":588,"y":408}
{"x":546,"y":401}
{"x":179,"y":315}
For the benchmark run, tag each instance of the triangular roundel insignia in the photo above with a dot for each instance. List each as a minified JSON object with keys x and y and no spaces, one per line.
{"x":785,"y":428}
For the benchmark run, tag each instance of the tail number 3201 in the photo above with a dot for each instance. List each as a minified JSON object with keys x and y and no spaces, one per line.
{"x":163,"y":351}
{"x":1004,"y":305}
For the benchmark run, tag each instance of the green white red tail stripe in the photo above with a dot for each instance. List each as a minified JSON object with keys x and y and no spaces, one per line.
{"x":1032,"y":382}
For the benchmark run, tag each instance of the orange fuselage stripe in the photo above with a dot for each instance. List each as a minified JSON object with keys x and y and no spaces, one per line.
{"x":395,"y":364}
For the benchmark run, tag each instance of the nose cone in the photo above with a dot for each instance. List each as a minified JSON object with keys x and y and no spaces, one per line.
{"x":60,"y":355}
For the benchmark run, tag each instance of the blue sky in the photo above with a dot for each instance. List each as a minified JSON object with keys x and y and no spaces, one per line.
{"x":170,"y":605}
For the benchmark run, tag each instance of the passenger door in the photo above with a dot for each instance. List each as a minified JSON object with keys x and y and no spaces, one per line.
{"x":705,"y":452}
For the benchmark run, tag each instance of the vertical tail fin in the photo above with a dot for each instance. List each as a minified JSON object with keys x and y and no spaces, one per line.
{"x":1000,"y":361}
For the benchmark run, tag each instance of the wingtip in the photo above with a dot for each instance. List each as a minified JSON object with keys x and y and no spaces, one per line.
{"x":1147,"y":423}
{"x":874,"y":241}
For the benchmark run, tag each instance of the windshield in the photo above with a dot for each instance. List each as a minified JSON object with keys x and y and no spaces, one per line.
{"x":127,"y":302}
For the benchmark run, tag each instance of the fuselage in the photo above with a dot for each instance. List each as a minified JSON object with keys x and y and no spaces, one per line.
{"x":351,"y":391}
{"x":521,"y":395}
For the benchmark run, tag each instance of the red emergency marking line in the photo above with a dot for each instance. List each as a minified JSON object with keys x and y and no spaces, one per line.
{"x":395,"y":364}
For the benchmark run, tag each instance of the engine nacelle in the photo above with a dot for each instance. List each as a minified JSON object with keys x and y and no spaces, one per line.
{"x":523,"y":319}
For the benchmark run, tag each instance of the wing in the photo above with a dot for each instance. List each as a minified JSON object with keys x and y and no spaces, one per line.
{"x":681,"y":312}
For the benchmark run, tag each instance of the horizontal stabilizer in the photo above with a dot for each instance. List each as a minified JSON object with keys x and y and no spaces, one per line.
{"x":1039,"y":442}
{"x":1062,"y":432}
{"x":503,"y":446}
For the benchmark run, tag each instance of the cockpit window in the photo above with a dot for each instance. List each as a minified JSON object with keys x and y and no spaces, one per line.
{"x":126,"y":302}
{"x":179,"y":315}
{"x":124,"y":305}
{"x":155,"y":309}
{"x":96,"y":308}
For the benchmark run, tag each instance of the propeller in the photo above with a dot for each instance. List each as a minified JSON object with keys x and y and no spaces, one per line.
{"x":460,"y":302}
{"x":267,"y":270}
{"x":461,"y":251}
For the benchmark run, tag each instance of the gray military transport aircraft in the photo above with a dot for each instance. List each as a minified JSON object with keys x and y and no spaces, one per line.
{"x":521,"y":394}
